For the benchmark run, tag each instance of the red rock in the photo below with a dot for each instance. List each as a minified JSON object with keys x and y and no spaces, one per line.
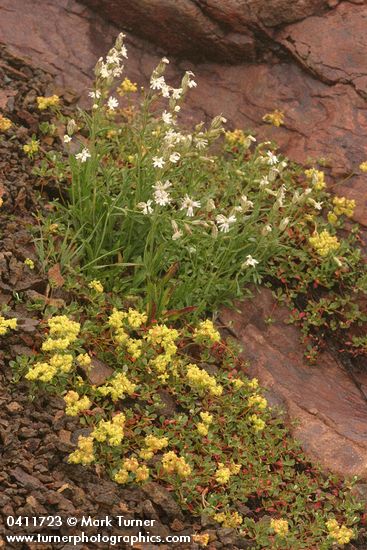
{"x":330,"y":409}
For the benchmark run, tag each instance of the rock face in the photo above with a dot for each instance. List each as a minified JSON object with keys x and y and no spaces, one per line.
{"x":331,"y":412}
{"x":226,"y":30}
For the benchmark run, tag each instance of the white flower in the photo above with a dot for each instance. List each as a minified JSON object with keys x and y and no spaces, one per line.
{"x":272,"y":159}
{"x":189,"y":205}
{"x":165,"y":90}
{"x":123,"y":51}
{"x":67,"y":139}
{"x":146,"y":207}
{"x":165,"y":60}
{"x":177,"y":109}
{"x":95,"y":95}
{"x":83,"y":155}
{"x":175,"y":157}
{"x":191,"y":83}
{"x":283,"y":224}
{"x":177,"y":233}
{"x":249,"y":262}
{"x":246,"y":204}
{"x":266,"y":229}
{"x":225,"y":222}
{"x":158,"y":162}
{"x":112,"y":103}
{"x":161,"y":196}
{"x":315,"y":204}
{"x":167,"y":117}
{"x":177,"y":93}
{"x":117,"y":71}
{"x":157,"y":83}
{"x":105,"y":71}
{"x":264,"y":181}
{"x":251,"y":138}
{"x":200,"y":142}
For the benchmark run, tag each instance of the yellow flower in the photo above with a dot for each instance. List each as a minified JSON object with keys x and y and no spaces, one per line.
{"x":362,"y":166}
{"x":96,"y":285}
{"x":5,"y":123}
{"x":84,"y":359}
{"x":206,"y":331}
{"x":173,"y":464}
{"x":202,"y":429}
{"x":31,"y":147}
{"x":84,"y":453}
{"x":45,"y":102}
{"x":206,"y":417}
{"x":280,"y":526}
{"x":154,"y":443}
{"x":324,"y":243}
{"x":117,"y":387}
{"x":41,"y":371}
{"x":122,"y":476}
{"x":28,"y":262}
{"x":136,"y":319}
{"x":238,"y":384}
{"x":75,"y":404}
{"x":257,"y":422}
{"x":228,"y":519}
{"x":222,"y":474}
{"x":130,"y":464}
{"x":6,"y":324}
{"x":146,"y":454}
{"x":110,"y":431}
{"x":63,"y":332}
{"x":345,"y":206}
{"x":253,"y":384}
{"x":134,"y":346}
{"x":257,"y":401}
{"x":332,"y":218}
{"x":202,"y":539}
{"x":237,"y":137}
{"x":126,"y":87}
{"x":317,"y":178}
{"x":276,"y":118}
{"x":200,"y":380}
{"x":142,"y":473}
{"x":341,"y":533}
{"x":62,"y":362}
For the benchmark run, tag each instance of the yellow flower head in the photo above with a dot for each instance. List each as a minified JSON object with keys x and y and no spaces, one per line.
{"x":345,"y":206}
{"x":62,"y":362}
{"x":206,"y":417}
{"x":206,"y":331}
{"x":229,"y":519}
{"x":202,"y":429}
{"x":5,"y":123}
{"x":41,"y":371}
{"x":317,"y":178}
{"x":127,"y":87}
{"x":154,"y":443}
{"x":136,"y":319}
{"x":201,"y":381}
{"x":6,"y":324}
{"x":276,"y":118}
{"x":84,"y":453}
{"x":257,"y":401}
{"x":96,"y":285}
{"x":258,"y":423}
{"x":342,"y":534}
{"x":222,"y":474}
{"x":110,"y":431}
{"x":46,"y":102}
{"x":174,"y":464}
{"x":142,"y":473}
{"x":117,"y":387}
{"x":75,"y":404}
{"x":122,"y":476}
{"x":324,"y":243}
{"x":84,"y":360}
{"x":202,"y":539}
{"x":280,"y":526}
{"x":362,"y":166}
{"x":29,"y":263}
{"x":31,"y":147}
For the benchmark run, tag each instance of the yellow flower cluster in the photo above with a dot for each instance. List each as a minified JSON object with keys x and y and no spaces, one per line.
{"x":111,"y":431}
{"x":63,"y":332}
{"x":131,"y":465}
{"x":161,"y":335}
{"x":222,"y":474}
{"x":316,"y":177}
{"x":46,"y":102}
{"x":175,"y":464}
{"x":118,"y":387}
{"x":133,"y":346}
{"x":332,"y":218}
{"x":201,"y":381}
{"x":75,"y":404}
{"x":41,"y":371}
{"x":324,"y":243}
{"x":362,"y":166}
{"x":31,"y":147}
{"x":237,"y":137}
{"x":135,"y":318}
{"x":62,"y":362}
{"x":152,"y":445}
{"x":345,"y":206}
{"x":29,"y":263}
{"x":202,"y":539}
{"x":276,"y":118}
{"x":203,"y":427}
{"x":228,"y":519}
{"x":280,"y":526}
{"x":253,"y":384}
{"x":257,"y":401}
{"x":96,"y":285}
{"x":206,"y":331}
{"x":341,"y":533}
{"x":258,"y":423}
{"x":127,"y":87}
{"x":6,"y":324}
{"x":84,"y":453}
{"x":84,"y":360}
{"x":238,"y":383}
{"x":5,"y":123}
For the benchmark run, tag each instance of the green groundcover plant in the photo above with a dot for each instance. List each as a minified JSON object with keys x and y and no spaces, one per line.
{"x":178,"y":409}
